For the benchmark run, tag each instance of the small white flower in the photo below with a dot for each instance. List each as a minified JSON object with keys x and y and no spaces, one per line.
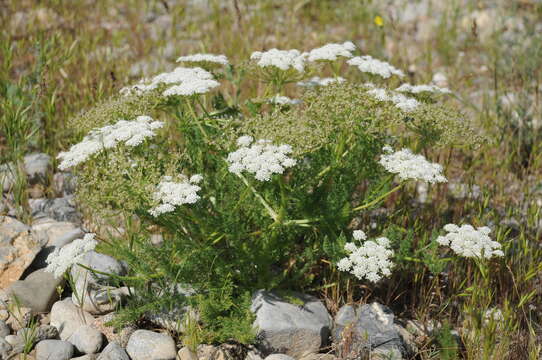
{"x":170,"y":194}
{"x":370,"y":65}
{"x":192,"y":87}
{"x":401,"y":101}
{"x":61,"y":259}
{"x":417,"y":89}
{"x":245,"y":140}
{"x":359,"y":235}
{"x":493,"y":315}
{"x":331,"y":51}
{"x":369,"y":261}
{"x":131,"y":133}
{"x":317,"y":81}
{"x":281,"y":59}
{"x":283,"y":100}
{"x":219,"y":59}
{"x":468,"y":242}
{"x":410,"y":166}
{"x":200,"y":81}
{"x":196,"y":179}
{"x":263,"y":159}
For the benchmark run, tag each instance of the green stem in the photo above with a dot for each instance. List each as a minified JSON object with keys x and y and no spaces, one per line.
{"x":378,"y":199}
{"x":269,"y":209}
{"x":189,"y":103}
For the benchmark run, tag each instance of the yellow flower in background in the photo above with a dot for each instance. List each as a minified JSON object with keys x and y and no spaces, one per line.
{"x":379,"y":21}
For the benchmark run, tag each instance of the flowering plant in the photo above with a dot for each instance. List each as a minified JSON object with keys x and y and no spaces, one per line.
{"x":254,"y":196}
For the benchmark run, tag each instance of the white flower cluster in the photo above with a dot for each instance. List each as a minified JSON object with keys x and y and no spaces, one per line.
{"x":401,"y":101}
{"x":493,"y":315}
{"x":411,"y":166}
{"x":330,"y":52}
{"x":283,"y":100}
{"x":185,"y":81}
{"x":218,"y":59}
{"x":131,"y":133}
{"x":261,"y":158}
{"x":171,"y":193}
{"x":317,"y":81}
{"x":61,"y":259}
{"x":371,"y":260}
{"x":282,"y":59}
{"x":417,"y":89}
{"x":467,"y":241}
{"x":374,"y":66}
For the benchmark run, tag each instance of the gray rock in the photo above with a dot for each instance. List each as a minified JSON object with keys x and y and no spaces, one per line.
{"x":4,"y":329}
{"x":320,"y":357}
{"x":19,"y":317}
{"x":113,"y":352}
{"x":18,"y":248}
{"x":8,"y":174}
{"x":186,"y":354}
{"x":36,"y":167}
{"x":279,"y":357}
{"x":59,"y":209}
{"x":53,"y":234}
{"x":87,"y":339}
{"x":149,"y":345}
{"x":295,"y":330}
{"x":64,"y":183}
{"x":98,"y":298}
{"x":5,"y":348}
{"x":13,"y":340}
{"x":38,"y":291}
{"x":67,"y":318}
{"x":44,"y":332}
{"x":369,"y":329}
{"x":86,"y":357}
{"x":54,"y":349}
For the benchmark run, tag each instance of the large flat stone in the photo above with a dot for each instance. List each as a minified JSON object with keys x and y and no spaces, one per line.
{"x":292,"y":329}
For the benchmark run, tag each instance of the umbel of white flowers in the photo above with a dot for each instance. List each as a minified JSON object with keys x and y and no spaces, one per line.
{"x":418,"y":89}
{"x":185,"y":81}
{"x":262,"y":158}
{"x":468,"y":241}
{"x":218,"y":59}
{"x":283,"y":100}
{"x":332,"y":51}
{"x":370,"y":65}
{"x":131,"y":133}
{"x":371,"y":260}
{"x":281,"y":59}
{"x":401,"y":101}
{"x":409,"y":166}
{"x":170,"y":194}
{"x":61,"y":259}
{"x":318,"y":81}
